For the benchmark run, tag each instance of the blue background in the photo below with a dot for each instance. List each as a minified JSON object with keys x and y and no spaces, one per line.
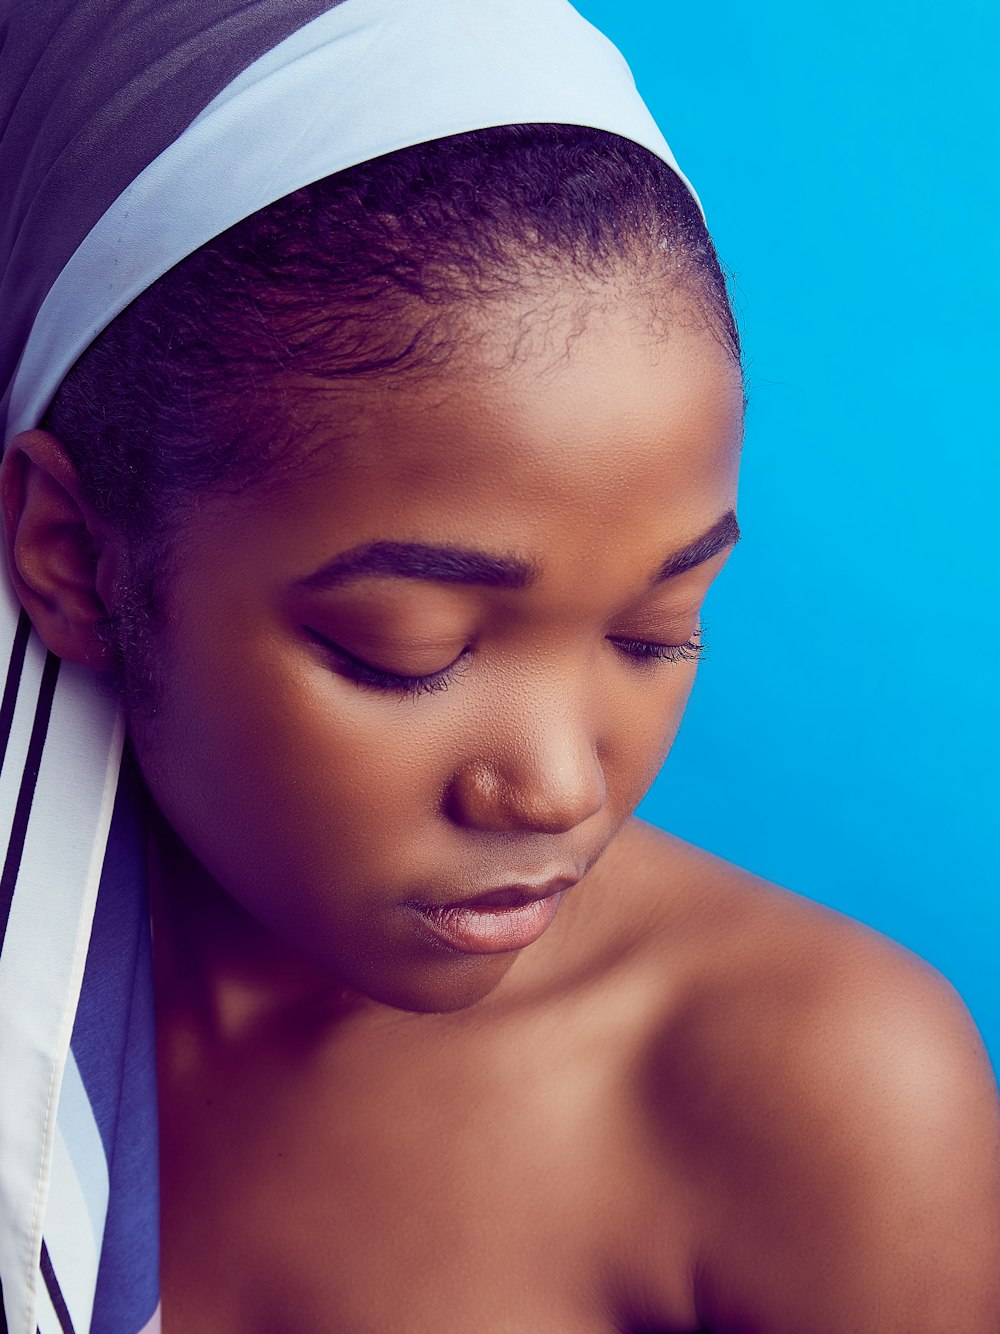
{"x":842,"y":737}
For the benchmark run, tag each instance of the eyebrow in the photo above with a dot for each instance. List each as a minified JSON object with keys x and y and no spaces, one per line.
{"x":725,"y":532}
{"x":465,"y":565}
{"x":417,"y":560}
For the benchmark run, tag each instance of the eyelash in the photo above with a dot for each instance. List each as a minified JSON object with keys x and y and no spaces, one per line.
{"x":374,"y":678}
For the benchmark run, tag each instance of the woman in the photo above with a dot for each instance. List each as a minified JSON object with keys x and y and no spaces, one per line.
{"x":373,"y":453}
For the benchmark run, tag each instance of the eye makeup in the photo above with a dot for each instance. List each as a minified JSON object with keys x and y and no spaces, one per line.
{"x":642,"y":653}
{"x":366,"y":674}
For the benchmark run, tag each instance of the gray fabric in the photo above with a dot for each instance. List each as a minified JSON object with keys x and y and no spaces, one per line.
{"x":90,"y":92}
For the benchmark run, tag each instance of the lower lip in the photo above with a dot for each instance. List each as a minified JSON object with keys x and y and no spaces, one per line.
{"x":490,"y":930}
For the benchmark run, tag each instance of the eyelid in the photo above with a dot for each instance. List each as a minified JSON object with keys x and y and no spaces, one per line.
{"x":643,"y":654}
{"x":363,"y":665}
{"x":645,"y":651}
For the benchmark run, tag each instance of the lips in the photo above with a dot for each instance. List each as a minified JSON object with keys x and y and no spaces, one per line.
{"x":507,"y":896}
{"x":495,"y":921}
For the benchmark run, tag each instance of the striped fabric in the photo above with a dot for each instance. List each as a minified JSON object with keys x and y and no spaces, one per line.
{"x":54,"y":723}
{"x":130,"y":134}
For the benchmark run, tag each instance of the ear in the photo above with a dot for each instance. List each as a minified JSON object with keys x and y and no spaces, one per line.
{"x":60,"y":555}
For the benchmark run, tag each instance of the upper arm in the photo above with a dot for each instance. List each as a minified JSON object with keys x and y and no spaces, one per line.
{"x":862,"y":1190}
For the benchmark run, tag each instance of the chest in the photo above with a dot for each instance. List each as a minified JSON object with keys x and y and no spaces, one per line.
{"x":412,"y":1194}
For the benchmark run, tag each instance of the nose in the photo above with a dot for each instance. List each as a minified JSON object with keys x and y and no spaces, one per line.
{"x":543,"y":776}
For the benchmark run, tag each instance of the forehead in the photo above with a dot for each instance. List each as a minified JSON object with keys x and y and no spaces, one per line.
{"x":531,"y":397}
{"x":599,"y":427}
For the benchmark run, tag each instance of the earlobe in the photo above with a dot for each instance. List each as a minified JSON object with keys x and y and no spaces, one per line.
{"x":53,"y":545}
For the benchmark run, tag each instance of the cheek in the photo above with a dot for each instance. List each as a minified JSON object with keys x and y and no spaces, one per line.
{"x":652,"y":729}
{"x":305,"y":797}
{"x":275,"y":789}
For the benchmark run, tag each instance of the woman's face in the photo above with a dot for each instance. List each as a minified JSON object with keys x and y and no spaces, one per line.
{"x":418,"y":670}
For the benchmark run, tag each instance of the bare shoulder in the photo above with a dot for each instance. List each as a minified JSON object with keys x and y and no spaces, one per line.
{"x":826,"y":1098}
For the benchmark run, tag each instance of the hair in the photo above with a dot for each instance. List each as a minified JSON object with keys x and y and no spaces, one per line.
{"x":356,"y":276}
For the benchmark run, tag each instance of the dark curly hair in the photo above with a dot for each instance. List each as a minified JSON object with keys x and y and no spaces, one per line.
{"x":357,"y":275}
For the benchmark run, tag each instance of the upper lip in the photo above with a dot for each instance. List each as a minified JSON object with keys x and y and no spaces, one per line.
{"x":513,"y":895}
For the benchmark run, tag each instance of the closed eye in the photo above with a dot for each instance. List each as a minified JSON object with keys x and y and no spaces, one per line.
{"x":367,"y":674}
{"x":642,"y":650}
{"x":379,"y":678}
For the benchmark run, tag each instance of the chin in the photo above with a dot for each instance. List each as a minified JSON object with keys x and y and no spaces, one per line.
{"x":442,"y":988}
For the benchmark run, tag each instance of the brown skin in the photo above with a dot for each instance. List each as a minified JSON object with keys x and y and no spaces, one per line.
{"x":697,"y":1101}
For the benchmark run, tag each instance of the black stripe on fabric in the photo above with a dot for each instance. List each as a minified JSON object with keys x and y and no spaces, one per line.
{"x":55,"y":1292}
{"x":26,"y":795}
{"x":14,"y":670}
{"x":3,"y":1311}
